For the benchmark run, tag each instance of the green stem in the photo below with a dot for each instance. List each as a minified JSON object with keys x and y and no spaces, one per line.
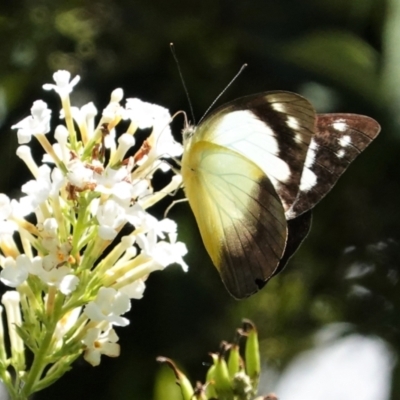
{"x":38,"y":365}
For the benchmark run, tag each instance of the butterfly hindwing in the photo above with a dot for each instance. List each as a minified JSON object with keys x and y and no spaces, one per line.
{"x":298,"y":229}
{"x":338,"y":140}
{"x":239,"y":214}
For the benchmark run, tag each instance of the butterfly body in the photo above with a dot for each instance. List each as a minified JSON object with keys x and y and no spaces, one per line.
{"x":252,"y":171}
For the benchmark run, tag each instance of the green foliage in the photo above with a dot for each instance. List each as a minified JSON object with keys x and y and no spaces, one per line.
{"x":343,"y":59}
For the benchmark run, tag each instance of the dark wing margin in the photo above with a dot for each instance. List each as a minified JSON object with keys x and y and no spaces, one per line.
{"x":338,"y":140}
{"x":253,"y":246}
{"x":298,"y":229}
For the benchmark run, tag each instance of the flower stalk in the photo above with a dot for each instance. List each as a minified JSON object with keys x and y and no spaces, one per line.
{"x":65,"y":296}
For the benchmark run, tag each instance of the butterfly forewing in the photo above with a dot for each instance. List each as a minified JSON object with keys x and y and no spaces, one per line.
{"x":338,"y":140}
{"x":239,"y":214}
{"x":272,"y":129}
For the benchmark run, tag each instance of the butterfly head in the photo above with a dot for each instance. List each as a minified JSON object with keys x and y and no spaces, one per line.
{"x":188,"y":131}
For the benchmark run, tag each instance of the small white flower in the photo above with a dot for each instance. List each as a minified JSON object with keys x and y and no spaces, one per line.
{"x":47,"y":270}
{"x":24,"y":206}
{"x":68,"y":284}
{"x":98,"y":343}
{"x":5,"y":206}
{"x":110,"y":216}
{"x":106,"y":181}
{"x":141,"y":188}
{"x":165,"y":225}
{"x":50,"y":227}
{"x":61,"y":147}
{"x":108,"y":306}
{"x":134,"y":290}
{"x":63,"y":86}
{"x":36,"y":266}
{"x":80,"y":115}
{"x":15,"y":271}
{"x":65,"y":324}
{"x":58,"y":253}
{"x":37,"y":123}
{"x":55,"y":276}
{"x":89,"y":111}
{"x":117,"y":95}
{"x":112,"y":112}
{"x":125,"y":142}
{"x":123,"y":193}
{"x":58,"y":182}
{"x":50,"y":260}
{"x":165,"y":145}
{"x":165,"y":253}
{"x":112,"y":183}
{"x":11,"y":301}
{"x":154,"y":229}
{"x":38,"y":190}
{"x":78,"y":174}
{"x":144,"y":114}
{"x":61,"y":135}
{"x":6,"y":209}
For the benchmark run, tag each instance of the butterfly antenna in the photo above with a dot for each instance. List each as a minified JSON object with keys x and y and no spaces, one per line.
{"x":226,"y":88}
{"x":171,"y":45}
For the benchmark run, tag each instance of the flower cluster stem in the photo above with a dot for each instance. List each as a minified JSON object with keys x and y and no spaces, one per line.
{"x":79,"y":244}
{"x":38,"y":365}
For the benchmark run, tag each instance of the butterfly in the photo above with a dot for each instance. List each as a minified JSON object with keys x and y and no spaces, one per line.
{"x":252,"y":171}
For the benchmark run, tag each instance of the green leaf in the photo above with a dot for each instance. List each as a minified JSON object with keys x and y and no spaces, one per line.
{"x":340,"y":57}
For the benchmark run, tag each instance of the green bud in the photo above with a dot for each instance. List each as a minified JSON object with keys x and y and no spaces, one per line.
{"x":181,"y":380}
{"x":222,"y":380}
{"x":252,"y":352}
{"x":234,"y":360}
{"x":210,"y":379}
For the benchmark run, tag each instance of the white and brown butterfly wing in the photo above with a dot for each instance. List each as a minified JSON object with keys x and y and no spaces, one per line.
{"x":338,"y":140}
{"x":254,"y":169}
{"x":273,"y":129}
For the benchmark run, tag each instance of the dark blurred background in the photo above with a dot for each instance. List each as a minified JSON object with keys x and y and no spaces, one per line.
{"x":343,"y":55}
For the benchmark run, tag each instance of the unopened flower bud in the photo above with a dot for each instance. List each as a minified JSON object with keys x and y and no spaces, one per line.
{"x":252,"y":352}
{"x":181,"y":380}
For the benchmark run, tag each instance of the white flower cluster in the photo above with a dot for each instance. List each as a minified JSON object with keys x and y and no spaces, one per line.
{"x":66,"y":274}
